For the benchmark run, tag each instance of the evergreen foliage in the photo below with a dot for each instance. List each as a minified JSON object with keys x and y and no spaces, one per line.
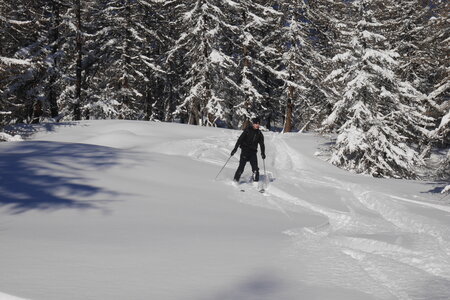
{"x":374,"y":72}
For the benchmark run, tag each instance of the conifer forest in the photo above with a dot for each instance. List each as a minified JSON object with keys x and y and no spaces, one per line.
{"x":373,"y":75}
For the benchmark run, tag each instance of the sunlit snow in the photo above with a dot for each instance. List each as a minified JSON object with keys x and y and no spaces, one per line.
{"x":131,"y":210}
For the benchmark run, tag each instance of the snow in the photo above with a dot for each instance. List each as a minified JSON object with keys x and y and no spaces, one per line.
{"x":15,"y":22}
{"x":438,"y":91}
{"x":445,"y":120}
{"x":131,"y":210}
{"x":231,"y":3}
{"x":12,"y":61}
{"x":342,"y":56}
{"x":385,"y":55}
{"x":334,"y":74}
{"x":216,"y":57}
{"x":372,"y":36}
{"x":446,"y":189}
{"x":9,"y":138}
{"x":4,"y":296}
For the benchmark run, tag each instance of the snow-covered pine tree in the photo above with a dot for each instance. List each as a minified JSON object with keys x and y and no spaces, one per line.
{"x":300,"y":65}
{"x":290,"y":39}
{"x":436,"y":44}
{"x":257,"y":60}
{"x":442,"y":136}
{"x":13,"y":28}
{"x":208,"y":68}
{"x":9,"y":105}
{"x":115,"y":88}
{"x":23,"y":44}
{"x":52,"y":87}
{"x":57,"y":25}
{"x":158,"y":102}
{"x":420,"y":28}
{"x":71,"y":60}
{"x":377,"y":113}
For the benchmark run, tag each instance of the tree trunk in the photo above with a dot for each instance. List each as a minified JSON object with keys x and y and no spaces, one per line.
{"x":37,"y":112}
{"x":246,"y":124}
{"x":289,"y":109}
{"x":126,"y":56}
{"x":194,"y":113}
{"x":77,"y":105}
{"x":148,"y":105}
{"x":245,"y":48}
{"x":205,"y":118}
{"x":54,"y":38}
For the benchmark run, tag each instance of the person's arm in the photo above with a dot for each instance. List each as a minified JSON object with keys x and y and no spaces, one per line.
{"x":239,"y":142}
{"x":263,"y":147}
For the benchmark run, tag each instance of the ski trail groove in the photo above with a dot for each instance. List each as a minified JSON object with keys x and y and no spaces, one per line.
{"x":385,"y":262}
{"x":364,"y":226}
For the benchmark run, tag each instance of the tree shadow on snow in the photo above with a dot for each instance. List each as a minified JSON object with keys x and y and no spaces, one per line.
{"x":259,"y":286}
{"x":267,"y":286}
{"x":437,"y":188}
{"x":40,"y":175}
{"x":28,"y":130}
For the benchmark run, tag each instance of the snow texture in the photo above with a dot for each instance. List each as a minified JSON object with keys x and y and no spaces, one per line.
{"x":131,"y":210}
{"x":10,"y":138}
{"x":13,"y":61}
{"x":446,"y":189}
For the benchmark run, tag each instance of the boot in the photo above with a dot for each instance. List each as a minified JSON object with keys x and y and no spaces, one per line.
{"x":256,"y":176}
{"x":237,"y":176}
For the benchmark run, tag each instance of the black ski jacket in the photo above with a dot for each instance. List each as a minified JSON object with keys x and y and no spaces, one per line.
{"x":249,"y":140}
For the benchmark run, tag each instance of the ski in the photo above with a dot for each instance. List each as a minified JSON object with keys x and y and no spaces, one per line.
{"x":258,"y":186}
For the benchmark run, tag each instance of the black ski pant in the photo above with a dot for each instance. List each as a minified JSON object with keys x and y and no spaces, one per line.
{"x":248,"y":156}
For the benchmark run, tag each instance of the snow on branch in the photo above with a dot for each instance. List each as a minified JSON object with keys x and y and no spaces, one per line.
{"x":15,"y":22}
{"x":373,"y":36}
{"x":342,"y":56}
{"x":12,"y":61}
{"x":386,"y":55}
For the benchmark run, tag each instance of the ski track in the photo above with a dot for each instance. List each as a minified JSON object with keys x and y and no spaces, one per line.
{"x":354,"y":237}
{"x":369,"y":237}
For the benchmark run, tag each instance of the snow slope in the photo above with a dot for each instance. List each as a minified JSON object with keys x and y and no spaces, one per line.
{"x":131,"y":210}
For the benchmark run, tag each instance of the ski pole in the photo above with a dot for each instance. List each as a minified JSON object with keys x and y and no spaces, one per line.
{"x":265,"y":174}
{"x":223,"y":167}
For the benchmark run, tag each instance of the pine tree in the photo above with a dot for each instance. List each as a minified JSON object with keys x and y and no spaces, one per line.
{"x":208,"y":68}
{"x":158,"y":101}
{"x":73,"y":60}
{"x":377,"y":113}
{"x":23,"y":43}
{"x":12,"y":33}
{"x":111,"y":91}
{"x":300,"y":64}
{"x":436,"y":45}
{"x":256,"y":64}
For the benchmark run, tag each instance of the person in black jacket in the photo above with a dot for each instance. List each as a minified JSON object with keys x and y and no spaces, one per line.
{"x":248,"y":142}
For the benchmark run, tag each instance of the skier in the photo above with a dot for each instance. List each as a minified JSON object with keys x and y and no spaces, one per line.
{"x":248,"y":142}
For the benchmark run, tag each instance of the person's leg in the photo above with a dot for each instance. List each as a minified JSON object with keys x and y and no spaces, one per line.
{"x":254,"y":163}
{"x":240,"y":169}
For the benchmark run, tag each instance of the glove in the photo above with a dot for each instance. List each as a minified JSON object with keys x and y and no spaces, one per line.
{"x":263,"y":155}
{"x":233,"y":152}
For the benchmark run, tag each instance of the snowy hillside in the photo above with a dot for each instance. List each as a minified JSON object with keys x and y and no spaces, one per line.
{"x":131,"y":210}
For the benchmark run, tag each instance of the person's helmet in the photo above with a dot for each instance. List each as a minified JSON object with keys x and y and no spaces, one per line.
{"x":256,"y":120}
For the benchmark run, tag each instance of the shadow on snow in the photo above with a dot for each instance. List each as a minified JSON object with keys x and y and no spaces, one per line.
{"x":28,"y":130}
{"x":50,"y":175}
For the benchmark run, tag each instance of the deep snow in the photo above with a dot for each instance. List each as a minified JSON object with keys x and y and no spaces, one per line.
{"x":131,"y":210}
